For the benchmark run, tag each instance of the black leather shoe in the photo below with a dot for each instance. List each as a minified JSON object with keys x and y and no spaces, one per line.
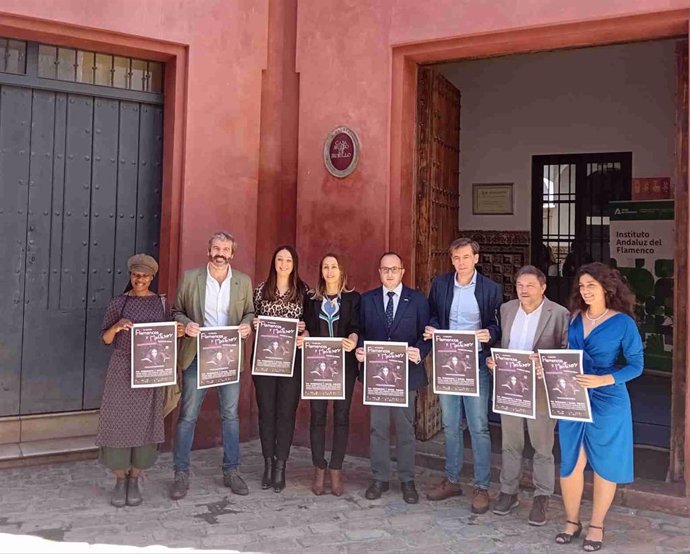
{"x":180,"y":485}
{"x":269,"y":470}
{"x":134,"y":497}
{"x":409,"y":492}
{"x":119,"y":495}
{"x":279,"y":476}
{"x":376,"y":489}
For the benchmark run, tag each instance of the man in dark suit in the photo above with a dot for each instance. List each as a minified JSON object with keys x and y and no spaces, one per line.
{"x":465,"y":300}
{"x":394,"y":312}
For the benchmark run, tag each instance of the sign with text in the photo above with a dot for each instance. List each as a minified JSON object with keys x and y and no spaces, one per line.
{"x":514,"y":383}
{"x":642,"y":245}
{"x":153,"y":354}
{"x":275,"y":346}
{"x":455,"y":363}
{"x":385,"y":374}
{"x":219,"y":356}
{"x":323,"y":369}
{"x":565,"y":397}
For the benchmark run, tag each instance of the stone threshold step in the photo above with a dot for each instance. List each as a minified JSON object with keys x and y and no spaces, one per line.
{"x":47,"y":451}
{"x":643,"y":494}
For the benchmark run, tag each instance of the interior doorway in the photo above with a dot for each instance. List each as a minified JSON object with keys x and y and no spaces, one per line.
{"x":545,"y":122}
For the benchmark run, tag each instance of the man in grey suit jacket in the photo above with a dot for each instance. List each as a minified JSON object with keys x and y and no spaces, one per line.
{"x":211,"y":296}
{"x":529,"y":323}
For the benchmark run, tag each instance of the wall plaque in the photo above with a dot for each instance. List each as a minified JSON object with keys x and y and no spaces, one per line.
{"x":341,"y":152}
{"x":492,"y":198}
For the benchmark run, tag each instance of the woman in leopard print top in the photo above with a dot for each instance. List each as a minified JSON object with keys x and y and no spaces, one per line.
{"x":281,"y":295}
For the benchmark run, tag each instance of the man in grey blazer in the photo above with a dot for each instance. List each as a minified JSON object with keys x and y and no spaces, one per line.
{"x":211,"y":296}
{"x":529,"y":323}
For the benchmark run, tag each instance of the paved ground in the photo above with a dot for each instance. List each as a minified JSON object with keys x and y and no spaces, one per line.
{"x":68,"y":503}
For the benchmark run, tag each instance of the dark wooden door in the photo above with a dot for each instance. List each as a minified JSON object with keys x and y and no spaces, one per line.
{"x":679,"y":466}
{"x":436,"y":201}
{"x":80,"y":180}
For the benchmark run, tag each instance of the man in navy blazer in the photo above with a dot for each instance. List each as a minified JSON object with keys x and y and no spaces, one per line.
{"x":394,"y":312}
{"x":466,"y":300}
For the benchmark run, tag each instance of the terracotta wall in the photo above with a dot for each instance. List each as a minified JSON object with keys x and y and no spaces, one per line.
{"x":344,"y":64}
{"x":344,"y":54}
{"x":227,"y":52}
{"x":226,"y":45}
{"x":343,"y":68}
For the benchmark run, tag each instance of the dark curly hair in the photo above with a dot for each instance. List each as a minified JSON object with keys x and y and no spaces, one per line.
{"x":618,"y":295}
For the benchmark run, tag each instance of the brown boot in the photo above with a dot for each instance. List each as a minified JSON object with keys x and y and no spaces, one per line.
{"x":337,"y":487}
{"x":317,"y":483}
{"x":480,"y":501}
{"x":445,"y":489}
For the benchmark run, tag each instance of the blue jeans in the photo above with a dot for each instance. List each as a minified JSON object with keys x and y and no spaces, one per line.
{"x":192,"y":399}
{"x":476,"y":410}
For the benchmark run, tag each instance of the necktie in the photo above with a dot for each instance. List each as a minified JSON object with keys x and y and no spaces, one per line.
{"x":389,"y":309}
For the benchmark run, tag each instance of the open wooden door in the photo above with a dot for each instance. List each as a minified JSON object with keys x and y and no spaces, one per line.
{"x":436,"y":202}
{"x":678,"y":459}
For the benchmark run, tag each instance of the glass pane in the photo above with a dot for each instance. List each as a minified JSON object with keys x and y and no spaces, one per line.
{"x":155,"y":77}
{"x":67,"y":57}
{"x":47,"y":56}
{"x":85,"y":63}
{"x":104,"y":69}
{"x":121,"y":72}
{"x":3,"y":51}
{"x":138,"y":74}
{"x":16,"y":56}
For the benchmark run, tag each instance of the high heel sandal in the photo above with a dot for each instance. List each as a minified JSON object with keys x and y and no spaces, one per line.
{"x":567,"y":538}
{"x":593,"y":546}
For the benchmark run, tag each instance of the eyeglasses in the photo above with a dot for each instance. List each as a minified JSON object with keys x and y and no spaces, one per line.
{"x":394,"y":270}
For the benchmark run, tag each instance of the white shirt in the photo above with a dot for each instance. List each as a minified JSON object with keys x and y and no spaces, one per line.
{"x":217,"y":306}
{"x":396,"y":298}
{"x":524,"y":329}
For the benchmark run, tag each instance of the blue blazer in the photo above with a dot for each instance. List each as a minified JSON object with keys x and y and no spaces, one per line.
{"x":408,"y":325}
{"x":489,"y":298}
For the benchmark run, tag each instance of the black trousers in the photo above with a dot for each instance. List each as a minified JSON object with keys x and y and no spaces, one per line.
{"x":341,"y":427}
{"x":277,"y":399}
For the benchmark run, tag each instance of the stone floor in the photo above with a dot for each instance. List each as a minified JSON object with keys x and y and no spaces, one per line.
{"x":64,"y":508}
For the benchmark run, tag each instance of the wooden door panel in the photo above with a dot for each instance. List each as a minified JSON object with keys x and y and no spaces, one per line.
{"x":15,"y":118}
{"x":437,"y":197}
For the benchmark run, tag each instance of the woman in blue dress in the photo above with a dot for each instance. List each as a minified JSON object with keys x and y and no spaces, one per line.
{"x":603,"y":326}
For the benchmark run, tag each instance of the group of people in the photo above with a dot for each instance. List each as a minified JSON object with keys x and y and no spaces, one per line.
{"x":600,"y":322}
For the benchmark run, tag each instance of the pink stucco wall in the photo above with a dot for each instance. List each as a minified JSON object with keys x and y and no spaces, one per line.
{"x":344,"y":63}
{"x":344,"y":52}
{"x":227,"y":42}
